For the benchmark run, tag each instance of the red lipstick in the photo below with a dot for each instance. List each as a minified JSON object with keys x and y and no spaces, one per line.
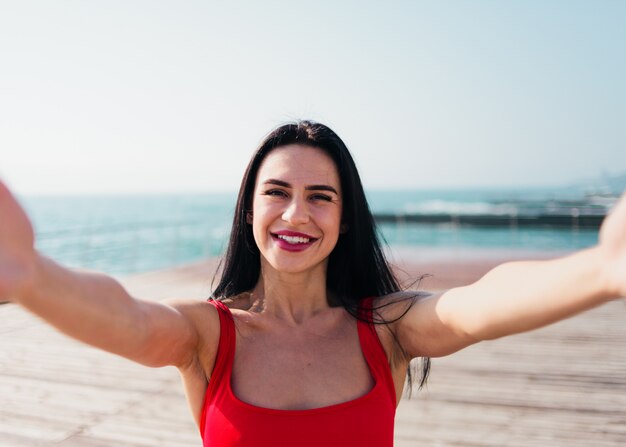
{"x":291,"y":240}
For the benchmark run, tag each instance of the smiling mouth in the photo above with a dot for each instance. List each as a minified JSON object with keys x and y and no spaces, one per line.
{"x":294,"y":240}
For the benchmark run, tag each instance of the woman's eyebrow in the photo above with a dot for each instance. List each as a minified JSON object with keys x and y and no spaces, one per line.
{"x":273,"y":181}
{"x":321,"y":188}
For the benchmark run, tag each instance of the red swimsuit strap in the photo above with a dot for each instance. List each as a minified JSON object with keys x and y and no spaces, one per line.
{"x":373,"y":349}
{"x":223,"y":356}
{"x":226,"y":348}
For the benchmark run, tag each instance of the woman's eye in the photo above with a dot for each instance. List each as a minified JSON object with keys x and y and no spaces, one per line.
{"x":321,"y":197}
{"x":275,"y":193}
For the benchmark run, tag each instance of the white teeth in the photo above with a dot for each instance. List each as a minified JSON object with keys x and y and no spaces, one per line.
{"x":293,"y":239}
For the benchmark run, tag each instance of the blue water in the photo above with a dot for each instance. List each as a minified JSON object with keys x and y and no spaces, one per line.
{"x":125,"y":234}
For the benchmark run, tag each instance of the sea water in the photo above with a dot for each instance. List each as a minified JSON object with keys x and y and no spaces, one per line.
{"x":135,"y":233}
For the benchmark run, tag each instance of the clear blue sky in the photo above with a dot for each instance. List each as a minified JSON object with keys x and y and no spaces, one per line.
{"x":152,"y":96}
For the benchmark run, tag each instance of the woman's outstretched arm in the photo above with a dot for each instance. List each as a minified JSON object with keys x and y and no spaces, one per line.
{"x":90,"y":307}
{"x":520,"y":296}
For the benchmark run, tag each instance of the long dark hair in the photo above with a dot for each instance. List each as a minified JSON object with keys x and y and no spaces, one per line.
{"x":357,"y":267}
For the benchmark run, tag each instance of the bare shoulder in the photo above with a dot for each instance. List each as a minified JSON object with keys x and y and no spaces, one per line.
{"x":420,"y":326}
{"x":242,"y":301}
{"x":204,"y":316}
{"x":204,"y":320}
{"x":392,"y":307}
{"x":388,"y":313}
{"x":193,"y":309}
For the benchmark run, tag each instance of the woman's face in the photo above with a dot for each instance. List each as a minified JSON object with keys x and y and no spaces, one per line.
{"x":296,"y":212}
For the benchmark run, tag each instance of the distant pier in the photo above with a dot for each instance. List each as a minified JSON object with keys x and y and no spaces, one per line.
{"x":572,"y":219}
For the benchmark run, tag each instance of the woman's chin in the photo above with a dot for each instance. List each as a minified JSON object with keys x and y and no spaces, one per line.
{"x":286,"y":266}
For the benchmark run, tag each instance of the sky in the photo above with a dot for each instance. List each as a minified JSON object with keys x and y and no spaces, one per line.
{"x":163,"y":96}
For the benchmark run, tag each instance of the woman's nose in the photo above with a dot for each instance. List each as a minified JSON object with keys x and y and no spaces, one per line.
{"x":296,"y":212}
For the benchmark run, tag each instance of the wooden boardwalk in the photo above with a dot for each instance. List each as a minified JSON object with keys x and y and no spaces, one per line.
{"x":561,"y":386}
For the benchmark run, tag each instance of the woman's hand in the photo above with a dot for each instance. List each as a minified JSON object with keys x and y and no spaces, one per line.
{"x":520,"y":296}
{"x":93,"y":307}
{"x":17,"y":252}
{"x":613,"y":244}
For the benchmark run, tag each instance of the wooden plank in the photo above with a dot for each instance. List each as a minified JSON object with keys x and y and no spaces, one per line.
{"x":564,"y":385}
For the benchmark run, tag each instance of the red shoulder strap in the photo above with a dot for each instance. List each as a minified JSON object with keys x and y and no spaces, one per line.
{"x":373,"y":349}
{"x":225,"y":348}
{"x":223,"y":357}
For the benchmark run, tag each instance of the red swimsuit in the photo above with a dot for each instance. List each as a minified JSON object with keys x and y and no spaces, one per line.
{"x":227,"y":421}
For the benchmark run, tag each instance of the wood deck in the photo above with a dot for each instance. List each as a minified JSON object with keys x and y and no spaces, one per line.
{"x":561,"y":386}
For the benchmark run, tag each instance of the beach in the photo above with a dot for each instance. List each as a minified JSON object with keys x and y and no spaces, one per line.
{"x":564,"y":385}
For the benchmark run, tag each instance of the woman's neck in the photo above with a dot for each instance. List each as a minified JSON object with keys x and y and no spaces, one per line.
{"x":291,"y":297}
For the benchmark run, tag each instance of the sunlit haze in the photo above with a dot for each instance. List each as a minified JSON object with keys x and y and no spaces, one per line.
{"x":156,"y":96}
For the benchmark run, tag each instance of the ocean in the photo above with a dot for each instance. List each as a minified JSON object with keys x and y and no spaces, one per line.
{"x":137,"y":233}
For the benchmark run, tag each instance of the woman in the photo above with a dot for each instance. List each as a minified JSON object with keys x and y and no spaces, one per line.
{"x":287,"y":342}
